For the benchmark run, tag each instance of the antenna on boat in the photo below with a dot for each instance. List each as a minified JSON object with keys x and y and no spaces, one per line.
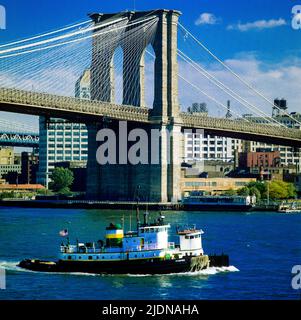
{"x":122,"y":219}
{"x":146,"y":217}
{"x":137,"y":207}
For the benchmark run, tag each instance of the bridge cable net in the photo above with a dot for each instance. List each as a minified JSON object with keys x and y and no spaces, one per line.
{"x":206,"y":72}
{"x":19,"y":127}
{"x":54,"y":64}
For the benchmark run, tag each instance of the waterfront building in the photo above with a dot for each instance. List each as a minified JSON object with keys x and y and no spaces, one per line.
{"x":61,"y":140}
{"x":21,"y":188}
{"x":259,"y":159}
{"x":6,"y":155}
{"x":29,"y":168}
{"x":8,"y":169}
{"x":212,"y":185}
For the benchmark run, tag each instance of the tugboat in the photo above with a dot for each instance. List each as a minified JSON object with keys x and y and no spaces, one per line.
{"x":144,"y":251}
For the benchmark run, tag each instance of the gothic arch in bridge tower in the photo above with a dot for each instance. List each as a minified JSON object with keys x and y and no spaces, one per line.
{"x":117,"y":75}
{"x":147,"y":64}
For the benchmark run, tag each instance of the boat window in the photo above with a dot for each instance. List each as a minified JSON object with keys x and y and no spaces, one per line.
{"x":90,"y":257}
{"x":186,"y":237}
{"x":69,"y":257}
{"x":191,"y":237}
{"x":135,"y":256}
{"x":146,"y":230}
{"x":156,"y":230}
{"x":102,"y":257}
{"x":142,"y":230}
{"x":79,"y":257}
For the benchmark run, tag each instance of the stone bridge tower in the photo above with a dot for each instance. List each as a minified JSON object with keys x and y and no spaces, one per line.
{"x":160,"y":181}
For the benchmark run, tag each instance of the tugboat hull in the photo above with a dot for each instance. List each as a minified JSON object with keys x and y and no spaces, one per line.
{"x":150,"y":266}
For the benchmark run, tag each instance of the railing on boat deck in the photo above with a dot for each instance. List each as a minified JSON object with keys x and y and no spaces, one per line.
{"x":84,"y":249}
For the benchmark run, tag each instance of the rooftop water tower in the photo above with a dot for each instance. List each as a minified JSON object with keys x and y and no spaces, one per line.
{"x":280,"y":106}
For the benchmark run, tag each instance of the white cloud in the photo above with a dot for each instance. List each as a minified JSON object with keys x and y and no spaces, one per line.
{"x":280,"y":80}
{"x":207,"y":18}
{"x":257,"y":25}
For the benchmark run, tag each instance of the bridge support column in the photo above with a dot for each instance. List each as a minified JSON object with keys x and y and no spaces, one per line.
{"x":174,"y":167}
{"x":166,"y":66}
{"x":93,"y":169}
{"x":166,"y":106}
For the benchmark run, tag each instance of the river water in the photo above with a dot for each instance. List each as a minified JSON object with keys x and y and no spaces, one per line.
{"x":263,"y":247}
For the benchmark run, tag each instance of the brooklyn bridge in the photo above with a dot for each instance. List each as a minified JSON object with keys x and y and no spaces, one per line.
{"x":35,"y":75}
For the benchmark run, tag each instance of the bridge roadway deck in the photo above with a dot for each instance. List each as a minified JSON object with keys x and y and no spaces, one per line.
{"x":20,"y":101}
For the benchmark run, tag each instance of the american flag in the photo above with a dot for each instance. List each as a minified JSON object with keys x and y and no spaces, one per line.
{"x":63,"y":233}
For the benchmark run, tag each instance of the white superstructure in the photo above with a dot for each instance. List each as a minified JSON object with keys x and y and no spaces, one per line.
{"x":150,"y":241}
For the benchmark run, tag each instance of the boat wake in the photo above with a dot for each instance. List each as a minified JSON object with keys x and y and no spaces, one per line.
{"x":13,"y":266}
{"x":204,"y":272}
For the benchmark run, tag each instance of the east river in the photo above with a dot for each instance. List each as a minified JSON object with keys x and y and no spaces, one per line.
{"x":263,"y":247}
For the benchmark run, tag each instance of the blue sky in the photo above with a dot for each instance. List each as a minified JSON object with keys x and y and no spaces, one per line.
{"x":254,"y":37}
{"x":26,"y":18}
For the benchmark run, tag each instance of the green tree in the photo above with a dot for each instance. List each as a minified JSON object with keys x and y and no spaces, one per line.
{"x":244,"y":191}
{"x":260,"y":186}
{"x":291,"y":190}
{"x":255,"y":192}
{"x":276,"y":190}
{"x":281,"y":190}
{"x":61,"y":180}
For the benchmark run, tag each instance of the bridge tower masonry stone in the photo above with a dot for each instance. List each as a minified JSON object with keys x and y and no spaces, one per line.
{"x":158,"y":182}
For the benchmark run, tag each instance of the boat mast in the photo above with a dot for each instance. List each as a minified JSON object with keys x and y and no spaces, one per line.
{"x":137,"y":215}
{"x":137,"y":208}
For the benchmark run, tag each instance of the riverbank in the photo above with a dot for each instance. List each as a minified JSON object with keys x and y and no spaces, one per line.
{"x":126,"y":205}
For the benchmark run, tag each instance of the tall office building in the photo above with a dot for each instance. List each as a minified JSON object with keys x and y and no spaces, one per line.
{"x":61,"y":140}
{"x":199,"y":147}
